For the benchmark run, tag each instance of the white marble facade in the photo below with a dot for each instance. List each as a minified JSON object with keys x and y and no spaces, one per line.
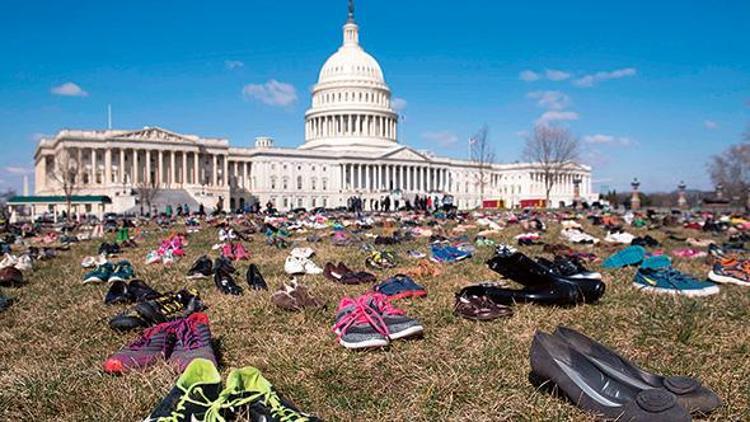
{"x":351,"y":148}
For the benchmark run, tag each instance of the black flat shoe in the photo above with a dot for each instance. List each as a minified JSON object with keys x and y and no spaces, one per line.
{"x":689,"y":392}
{"x":550,"y":294}
{"x":558,"y":366}
{"x":255,"y":278}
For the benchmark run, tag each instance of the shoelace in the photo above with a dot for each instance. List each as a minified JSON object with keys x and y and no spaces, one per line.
{"x":361,"y":313}
{"x":178,"y":414}
{"x":278,"y":410}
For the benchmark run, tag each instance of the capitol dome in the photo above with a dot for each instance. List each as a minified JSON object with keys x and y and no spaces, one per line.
{"x":351,"y":103}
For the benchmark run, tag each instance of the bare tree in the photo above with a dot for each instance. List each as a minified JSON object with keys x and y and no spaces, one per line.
{"x":483,"y":156}
{"x":66,"y":174}
{"x":553,"y":149}
{"x":731,"y":169}
{"x":147,"y":192}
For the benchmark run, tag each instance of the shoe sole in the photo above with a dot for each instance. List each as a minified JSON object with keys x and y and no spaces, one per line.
{"x":367,"y":344}
{"x":409,"y":332}
{"x":726,"y":279}
{"x":196,"y":276}
{"x":708,"y":291}
{"x":92,"y":280}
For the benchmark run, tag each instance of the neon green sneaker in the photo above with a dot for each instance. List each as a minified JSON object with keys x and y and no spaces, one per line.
{"x":249,"y":396}
{"x":193,"y":395}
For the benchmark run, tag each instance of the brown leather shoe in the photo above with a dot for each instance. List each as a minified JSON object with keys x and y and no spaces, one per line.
{"x":10,"y":277}
{"x":304,"y":299}
{"x":480,"y":308}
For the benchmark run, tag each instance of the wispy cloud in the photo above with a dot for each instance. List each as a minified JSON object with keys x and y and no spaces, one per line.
{"x":38,"y":136}
{"x":398,"y":104}
{"x":556,"y":116}
{"x":556,"y":75}
{"x":443,"y":138}
{"x":17,"y":171}
{"x":710,"y":124}
{"x":552,"y":100}
{"x":593,"y":79}
{"x":600,"y":139}
{"x":233,"y":64}
{"x":69,"y":89}
{"x":528,"y":76}
{"x":273,"y":93}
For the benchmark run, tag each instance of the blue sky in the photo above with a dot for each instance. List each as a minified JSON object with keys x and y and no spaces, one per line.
{"x":652,"y":88}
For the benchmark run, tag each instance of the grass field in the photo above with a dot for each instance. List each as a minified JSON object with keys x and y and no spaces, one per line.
{"x":55,"y":338}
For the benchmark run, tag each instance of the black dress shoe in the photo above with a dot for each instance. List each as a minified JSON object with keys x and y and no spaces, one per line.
{"x":689,"y":392}
{"x":555,"y":364}
{"x":550,"y":294}
{"x":255,"y":278}
{"x":117,"y":293}
{"x":141,"y":292}
{"x":225,"y":282}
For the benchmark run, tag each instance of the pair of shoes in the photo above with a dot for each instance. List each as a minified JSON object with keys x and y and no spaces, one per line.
{"x":342,"y":274}
{"x":180,"y":341}
{"x":667,"y":280}
{"x":93,"y":262}
{"x":295,"y":297}
{"x":632,"y":255}
{"x":544,"y":283}
{"x":198,"y":396}
{"x":295,"y":265}
{"x":371,"y":321}
{"x":235,"y":251}
{"x":424,"y":269}
{"x":223,"y":276}
{"x":600,"y":381}
{"x":400,"y":286}
{"x":731,"y":271}
{"x":448,"y":253}
{"x":11,"y":277}
{"x":109,"y":249}
{"x":479,"y":308}
{"x":22,"y":263}
{"x":122,"y":271}
{"x":645,"y":241}
{"x":201,"y":268}
{"x":380,"y":260}
{"x":132,"y":292}
{"x":167,"y":307}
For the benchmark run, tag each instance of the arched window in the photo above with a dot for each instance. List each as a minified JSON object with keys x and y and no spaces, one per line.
{"x":299,"y":182}
{"x":285,"y":183}
{"x":273,"y":182}
{"x":325,"y":184}
{"x":313,"y":183}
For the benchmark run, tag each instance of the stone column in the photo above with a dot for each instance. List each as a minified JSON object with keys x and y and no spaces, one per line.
{"x":635,"y":200}
{"x":93,"y":166}
{"x":402,"y":182}
{"x":226,"y":171}
{"x":79,"y":161}
{"x":107,"y":167}
{"x":196,"y":168}
{"x":172,"y":170}
{"x":148,"y":168}
{"x":136,"y":176}
{"x":184,"y":168}
{"x":160,"y":168}
{"x":214,"y":173}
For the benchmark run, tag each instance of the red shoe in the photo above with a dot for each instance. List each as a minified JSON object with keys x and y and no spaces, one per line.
{"x":144,"y":352}
{"x":193,"y":340}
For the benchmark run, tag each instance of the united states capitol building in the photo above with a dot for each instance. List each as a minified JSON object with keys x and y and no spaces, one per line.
{"x":350,"y":149}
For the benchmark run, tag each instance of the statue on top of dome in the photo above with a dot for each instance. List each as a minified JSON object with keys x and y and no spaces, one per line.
{"x":351,"y":10}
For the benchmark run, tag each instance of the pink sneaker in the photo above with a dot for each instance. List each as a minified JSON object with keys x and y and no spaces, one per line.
{"x":689,"y":253}
{"x":399,"y":325}
{"x":226,"y":250}
{"x":358,"y":325}
{"x":240,"y":253}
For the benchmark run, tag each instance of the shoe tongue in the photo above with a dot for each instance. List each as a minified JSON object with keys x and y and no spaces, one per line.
{"x":681,"y":385}
{"x":655,"y":401}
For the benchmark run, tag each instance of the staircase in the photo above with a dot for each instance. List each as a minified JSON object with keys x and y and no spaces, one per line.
{"x":173,"y":197}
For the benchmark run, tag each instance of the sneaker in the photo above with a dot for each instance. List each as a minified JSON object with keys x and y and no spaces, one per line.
{"x":123,"y":271}
{"x":671,"y":281}
{"x":152,"y":258}
{"x":255,"y":278}
{"x":24,"y":263}
{"x":225,"y":281}
{"x":359,"y":326}
{"x":399,"y":325}
{"x":101,"y":274}
{"x":201,"y":268}
{"x":165,"y":308}
{"x":381,"y":260}
{"x":117,"y":293}
{"x":227,"y":252}
{"x":569,"y":268}
{"x":400,"y":286}
{"x":479,"y":308}
{"x":249,"y":396}
{"x":193,"y":395}
{"x":192,"y":340}
{"x":624,"y":238}
{"x":139,"y":291}
{"x":295,"y":297}
{"x":731,"y":271}
{"x":311,"y":267}
{"x":145,"y":351}
{"x":304,"y":253}
{"x":240,"y":254}
{"x":632,"y":255}
{"x":293,"y":266}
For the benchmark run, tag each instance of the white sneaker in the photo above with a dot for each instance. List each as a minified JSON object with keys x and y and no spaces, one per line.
{"x":8,"y":261}
{"x":623,"y":237}
{"x":294,"y":265}
{"x":312,"y":268}
{"x":23,"y":263}
{"x":88,"y":262}
{"x":302,"y":253}
{"x":152,"y":258}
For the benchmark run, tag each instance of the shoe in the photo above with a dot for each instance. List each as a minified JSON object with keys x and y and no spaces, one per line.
{"x":11,"y":277}
{"x":645,"y":241}
{"x":689,"y":392}
{"x":194,"y":393}
{"x":91,"y":261}
{"x":101,"y":274}
{"x":619,"y":237}
{"x":359,"y":325}
{"x":117,"y":293}
{"x":399,"y":325}
{"x":731,"y":271}
{"x":139,"y":291}
{"x":249,"y":396}
{"x":304,"y":298}
{"x":151,"y":346}
{"x":416,"y":254}
{"x":201,"y":268}
{"x":153,"y":257}
{"x":5,"y":302}
{"x":303,"y":253}
{"x":689,"y":253}
{"x":311,"y":267}
{"x":192,"y":340}
{"x":381,"y":260}
{"x":284,"y":300}
{"x":671,"y":281}
{"x":165,"y":308}
{"x":400,"y":286}
{"x":572,"y":267}
{"x":225,"y":281}
{"x":240,"y":254}
{"x":227,"y":252}
{"x":255,"y":279}
{"x":294,"y":266}
{"x":632,"y":255}
{"x":479,"y":308}
{"x":557,"y":366}
{"x":123,"y":271}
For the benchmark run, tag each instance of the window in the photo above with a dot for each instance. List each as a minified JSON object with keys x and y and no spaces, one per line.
{"x":325,"y":202}
{"x":273,"y":182}
{"x":285,"y":183}
{"x":286,"y":202}
{"x":314,"y":203}
{"x":299,"y":182}
{"x":325,"y":184}
{"x":313,"y":183}
{"x":273,"y":166}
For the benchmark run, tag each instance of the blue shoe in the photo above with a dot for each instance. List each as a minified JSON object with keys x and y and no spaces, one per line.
{"x":670,"y":281}
{"x":656,"y":262}
{"x":100,"y":274}
{"x":631,"y":255}
{"x":123,"y":271}
{"x":440,"y":254}
{"x":400,"y":286}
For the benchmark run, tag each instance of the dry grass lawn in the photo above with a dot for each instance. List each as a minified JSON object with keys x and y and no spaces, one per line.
{"x":55,"y":338}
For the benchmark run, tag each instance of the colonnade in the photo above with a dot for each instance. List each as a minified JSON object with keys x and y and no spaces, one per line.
{"x":384,"y":177}
{"x":351,"y":125}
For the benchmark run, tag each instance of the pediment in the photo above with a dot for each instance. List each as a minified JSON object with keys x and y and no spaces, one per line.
{"x":405,"y":154}
{"x":155,"y":134}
